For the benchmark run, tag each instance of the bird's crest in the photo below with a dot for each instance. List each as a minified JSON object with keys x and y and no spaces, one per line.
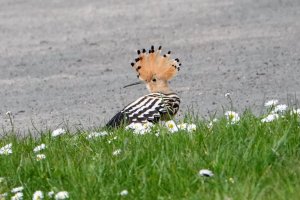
{"x":152,"y":63}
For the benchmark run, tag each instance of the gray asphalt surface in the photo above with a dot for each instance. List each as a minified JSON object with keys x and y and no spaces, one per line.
{"x":67,"y":61}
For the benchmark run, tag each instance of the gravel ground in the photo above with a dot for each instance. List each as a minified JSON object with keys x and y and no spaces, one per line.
{"x":65,"y":62}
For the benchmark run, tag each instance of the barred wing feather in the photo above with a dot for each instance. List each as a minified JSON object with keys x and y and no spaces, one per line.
{"x":149,"y":108}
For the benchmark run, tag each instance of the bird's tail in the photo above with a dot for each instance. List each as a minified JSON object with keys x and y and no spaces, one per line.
{"x":118,"y":120}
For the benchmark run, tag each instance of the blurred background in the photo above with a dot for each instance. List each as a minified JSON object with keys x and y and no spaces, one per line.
{"x":66,"y":61}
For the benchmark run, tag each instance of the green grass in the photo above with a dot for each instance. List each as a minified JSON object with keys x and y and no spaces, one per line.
{"x":250,"y":160}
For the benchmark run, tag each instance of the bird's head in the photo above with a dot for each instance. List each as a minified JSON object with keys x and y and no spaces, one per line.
{"x":155,"y":70}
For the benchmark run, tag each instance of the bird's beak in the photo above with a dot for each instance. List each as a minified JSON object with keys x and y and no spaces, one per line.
{"x":136,"y":83}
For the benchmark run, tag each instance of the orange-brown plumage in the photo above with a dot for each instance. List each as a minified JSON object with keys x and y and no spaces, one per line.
{"x":153,"y":64}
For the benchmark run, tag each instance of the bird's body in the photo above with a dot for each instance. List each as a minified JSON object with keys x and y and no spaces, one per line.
{"x":149,"y":108}
{"x":161,"y":104}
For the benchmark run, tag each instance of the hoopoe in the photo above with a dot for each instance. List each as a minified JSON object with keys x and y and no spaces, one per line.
{"x":155,"y":71}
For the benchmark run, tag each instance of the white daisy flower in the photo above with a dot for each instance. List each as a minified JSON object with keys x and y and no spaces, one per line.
{"x":271,"y":103}
{"x":270,"y":118}
{"x":191,"y":127}
{"x":139,"y":128}
{"x":206,"y":173}
{"x":134,"y":126}
{"x":62,"y":195}
{"x":140,"y":131}
{"x":58,"y":132}
{"x":96,"y":134}
{"x":148,"y":125}
{"x":232,"y":117}
{"x":186,"y":126}
{"x":117,"y":152}
{"x":39,"y":148}
{"x":146,"y":128}
{"x":295,"y":111}
{"x":182,"y":126}
{"x":40,"y":157}
{"x":17,"y":189}
{"x":280,"y":108}
{"x":50,"y":194}
{"x":171,"y":126}
{"x":38,"y":195}
{"x":6,"y":150}
{"x":17,"y":196}
{"x":124,"y":193}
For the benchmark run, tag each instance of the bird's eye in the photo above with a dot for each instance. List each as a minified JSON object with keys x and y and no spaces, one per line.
{"x":154,"y":80}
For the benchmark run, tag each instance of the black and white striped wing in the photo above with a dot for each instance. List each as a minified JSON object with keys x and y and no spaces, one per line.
{"x":152,"y":107}
{"x":148,"y":108}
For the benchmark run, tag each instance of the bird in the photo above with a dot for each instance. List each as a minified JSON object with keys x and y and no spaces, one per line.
{"x":155,"y":70}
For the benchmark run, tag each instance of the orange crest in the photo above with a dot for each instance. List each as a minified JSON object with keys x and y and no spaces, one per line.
{"x":152,"y":64}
